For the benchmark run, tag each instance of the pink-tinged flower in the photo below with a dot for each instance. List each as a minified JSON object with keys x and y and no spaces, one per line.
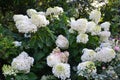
{"x":57,"y":57}
{"x":103,"y":67}
{"x":117,"y":48}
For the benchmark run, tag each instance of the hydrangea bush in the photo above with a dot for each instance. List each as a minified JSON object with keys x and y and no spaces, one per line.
{"x":52,"y":46}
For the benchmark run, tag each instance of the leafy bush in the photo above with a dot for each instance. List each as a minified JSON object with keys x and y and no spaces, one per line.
{"x":41,"y":46}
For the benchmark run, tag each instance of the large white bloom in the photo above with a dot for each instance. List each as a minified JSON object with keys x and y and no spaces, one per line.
{"x":104,"y":35}
{"x":22,"y":63}
{"x":96,"y":30}
{"x":86,"y":68}
{"x":90,"y":26}
{"x":24,"y":24}
{"x":26,"y":27}
{"x":39,"y":20}
{"x":88,"y":55}
{"x":61,"y":70}
{"x":105,"y":54}
{"x":82,"y":38}
{"x":79,"y":25}
{"x":95,"y":15}
{"x":105,"y":26}
{"x":62,"y":42}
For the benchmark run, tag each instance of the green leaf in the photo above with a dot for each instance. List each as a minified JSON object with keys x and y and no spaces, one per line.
{"x":38,"y":56}
{"x":21,"y":77}
{"x":32,"y":76}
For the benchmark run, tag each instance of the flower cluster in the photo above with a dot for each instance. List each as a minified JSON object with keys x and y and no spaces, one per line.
{"x":24,"y":24}
{"x":82,"y":26}
{"x":54,"y":11}
{"x":88,"y":55}
{"x":104,"y":54}
{"x":8,"y":70}
{"x":22,"y":63}
{"x":58,"y":60}
{"x":86,"y":69}
{"x":95,"y":15}
{"x":37,"y":18}
{"x":34,"y":20}
{"x":62,"y":42}
{"x":99,"y":3}
{"x":61,"y":70}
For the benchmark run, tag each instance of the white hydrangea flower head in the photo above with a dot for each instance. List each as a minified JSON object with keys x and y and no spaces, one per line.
{"x":20,"y":17}
{"x":104,"y":35}
{"x":98,"y":4}
{"x":105,"y":54}
{"x":22,"y":63}
{"x":62,"y":42}
{"x":26,"y":27}
{"x":31,"y":12}
{"x":82,"y":23}
{"x":88,"y":55}
{"x":24,"y":24}
{"x":96,"y":30}
{"x":57,"y":57}
{"x":82,"y":38}
{"x":61,"y":70}
{"x":79,"y":25}
{"x":8,"y":70}
{"x":90,"y":26}
{"x":95,"y":15}
{"x":87,"y":68}
{"x":73,"y":24}
{"x":62,"y":55}
{"x":105,"y":26}
{"x":39,"y":20}
{"x":55,"y":11}
{"x":17,"y":43}
{"x":58,"y":10}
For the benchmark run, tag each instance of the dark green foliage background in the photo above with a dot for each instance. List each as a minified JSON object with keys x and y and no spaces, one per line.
{"x":41,"y":44}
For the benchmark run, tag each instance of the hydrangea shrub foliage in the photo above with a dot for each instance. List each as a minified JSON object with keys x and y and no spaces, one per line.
{"x":49,"y":45}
